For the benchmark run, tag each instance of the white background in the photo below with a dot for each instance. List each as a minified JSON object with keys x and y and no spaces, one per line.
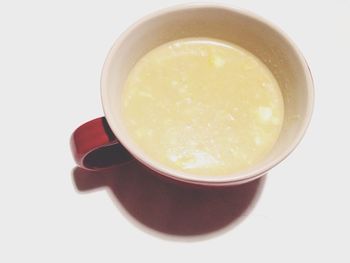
{"x":51,"y":55}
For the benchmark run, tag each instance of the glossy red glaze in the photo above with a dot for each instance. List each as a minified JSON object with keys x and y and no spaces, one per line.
{"x":94,"y":146}
{"x":172,"y":207}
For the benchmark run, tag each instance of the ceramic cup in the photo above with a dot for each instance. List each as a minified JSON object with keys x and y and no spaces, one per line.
{"x":104,"y":141}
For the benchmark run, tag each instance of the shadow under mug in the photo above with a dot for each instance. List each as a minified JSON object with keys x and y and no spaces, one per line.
{"x":104,"y":142}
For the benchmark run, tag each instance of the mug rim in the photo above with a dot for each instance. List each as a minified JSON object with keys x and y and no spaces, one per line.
{"x":234,"y":178}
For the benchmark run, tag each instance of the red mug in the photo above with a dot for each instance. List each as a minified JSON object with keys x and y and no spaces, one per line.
{"x":104,"y":142}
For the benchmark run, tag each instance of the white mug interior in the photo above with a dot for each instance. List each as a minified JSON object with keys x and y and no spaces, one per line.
{"x":247,"y":30}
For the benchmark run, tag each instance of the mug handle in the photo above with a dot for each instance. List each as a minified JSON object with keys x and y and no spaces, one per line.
{"x":95,"y":147}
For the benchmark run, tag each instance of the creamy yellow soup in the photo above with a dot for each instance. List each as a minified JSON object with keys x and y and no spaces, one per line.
{"x":202,"y":106}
